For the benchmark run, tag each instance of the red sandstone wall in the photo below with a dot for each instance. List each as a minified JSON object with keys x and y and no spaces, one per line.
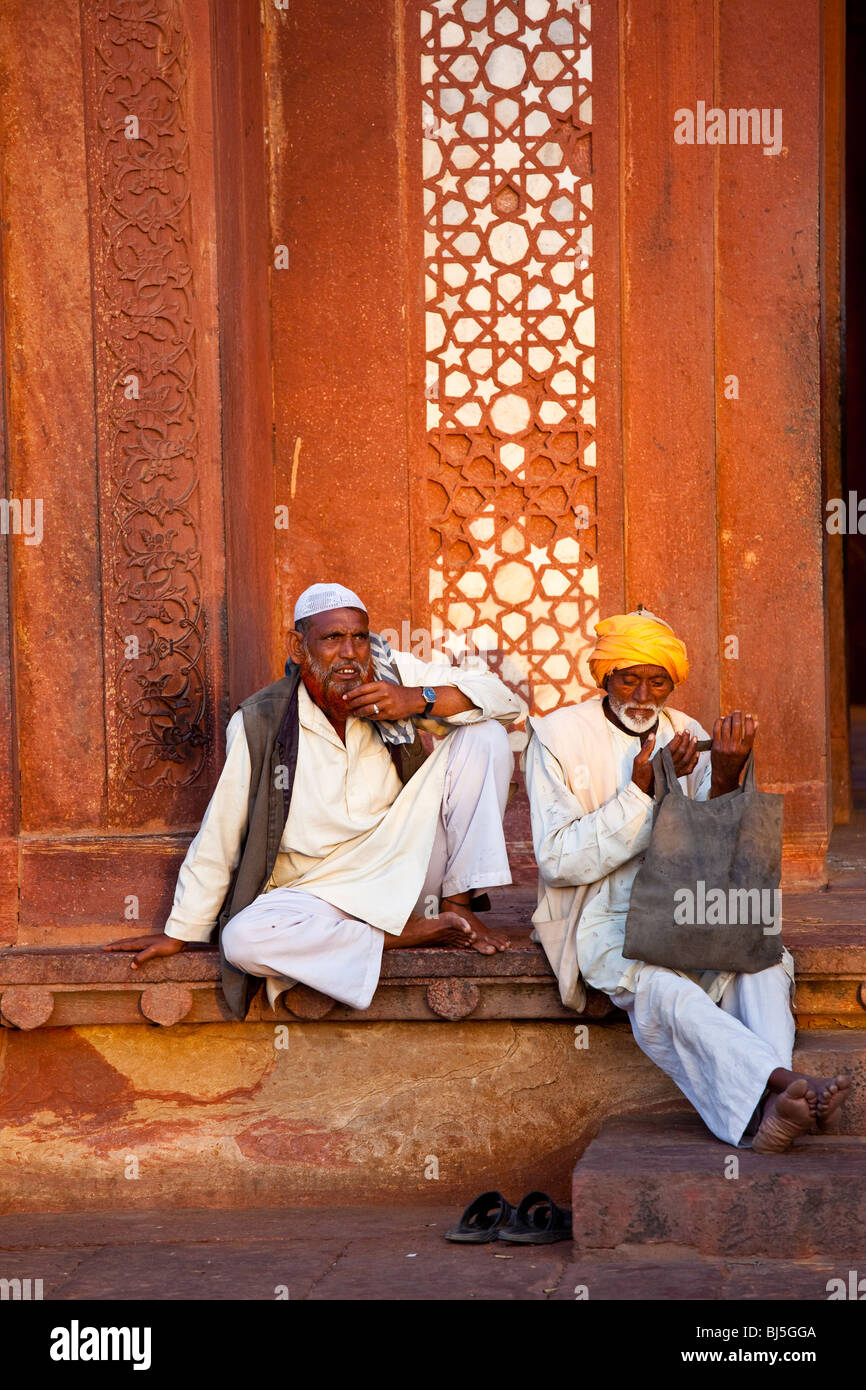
{"x":148,"y":266}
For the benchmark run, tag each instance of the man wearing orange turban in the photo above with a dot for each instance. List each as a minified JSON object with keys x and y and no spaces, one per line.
{"x":726,"y":1039}
{"x":632,"y":639}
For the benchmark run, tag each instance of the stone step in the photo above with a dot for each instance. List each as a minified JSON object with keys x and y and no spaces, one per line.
{"x":827,"y":1052}
{"x":652,"y":1180}
{"x":669,"y":1274}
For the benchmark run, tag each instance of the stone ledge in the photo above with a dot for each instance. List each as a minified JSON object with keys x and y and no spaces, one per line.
{"x":78,"y":986}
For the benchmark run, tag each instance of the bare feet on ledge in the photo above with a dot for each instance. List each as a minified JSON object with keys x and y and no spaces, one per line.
{"x":488,"y":939}
{"x":832,"y":1093}
{"x":453,"y":927}
{"x":799,"y":1104}
{"x":826,"y":1096}
{"x":787,"y":1114}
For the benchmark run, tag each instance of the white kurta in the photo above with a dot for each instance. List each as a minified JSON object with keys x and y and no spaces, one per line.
{"x":590,"y":827}
{"x":342,"y":841}
{"x":289,"y":935}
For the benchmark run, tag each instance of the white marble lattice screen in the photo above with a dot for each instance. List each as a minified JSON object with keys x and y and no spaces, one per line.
{"x":507,"y":112}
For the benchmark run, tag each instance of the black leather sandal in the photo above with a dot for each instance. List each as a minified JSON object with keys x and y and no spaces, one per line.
{"x":537,"y":1221}
{"x":482,"y":1220}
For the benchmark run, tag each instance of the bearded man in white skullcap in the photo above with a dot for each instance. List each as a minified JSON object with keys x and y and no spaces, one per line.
{"x":331,"y":834}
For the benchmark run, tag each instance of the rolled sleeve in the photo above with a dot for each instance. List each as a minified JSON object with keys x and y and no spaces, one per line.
{"x":214,"y":853}
{"x":490,"y":695}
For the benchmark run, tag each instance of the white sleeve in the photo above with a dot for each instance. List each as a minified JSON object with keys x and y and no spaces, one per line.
{"x":575,"y":846}
{"x":698,"y":782}
{"x":702,"y":778}
{"x":492,"y":698}
{"x":213,"y":855}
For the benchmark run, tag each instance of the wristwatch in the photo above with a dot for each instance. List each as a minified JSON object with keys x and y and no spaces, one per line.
{"x":430,"y":696}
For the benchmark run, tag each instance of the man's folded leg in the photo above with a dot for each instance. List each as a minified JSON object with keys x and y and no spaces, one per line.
{"x":302,"y":939}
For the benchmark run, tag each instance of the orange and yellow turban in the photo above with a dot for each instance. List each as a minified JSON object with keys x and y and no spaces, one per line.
{"x":637,"y":639}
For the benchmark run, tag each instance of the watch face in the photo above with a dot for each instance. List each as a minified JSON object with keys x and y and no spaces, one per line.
{"x":429,"y":694}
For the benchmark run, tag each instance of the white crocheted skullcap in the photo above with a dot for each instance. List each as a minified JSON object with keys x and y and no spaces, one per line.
{"x":321,"y":598}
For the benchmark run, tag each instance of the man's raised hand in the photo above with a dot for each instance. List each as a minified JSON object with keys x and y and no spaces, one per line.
{"x":147,"y":947}
{"x":683,"y":748}
{"x":383,"y":700}
{"x":641,"y":770}
{"x":733,"y":740}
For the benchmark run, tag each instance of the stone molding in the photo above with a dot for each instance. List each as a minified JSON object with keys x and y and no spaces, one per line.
{"x":82,"y":986}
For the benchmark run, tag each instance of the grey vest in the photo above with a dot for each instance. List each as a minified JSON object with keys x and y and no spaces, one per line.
{"x":271,"y":729}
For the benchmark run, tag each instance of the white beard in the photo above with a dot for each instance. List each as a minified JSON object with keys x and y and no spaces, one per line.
{"x":639,"y":725}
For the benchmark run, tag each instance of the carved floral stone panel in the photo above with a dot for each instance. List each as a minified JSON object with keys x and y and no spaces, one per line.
{"x":136,"y":60}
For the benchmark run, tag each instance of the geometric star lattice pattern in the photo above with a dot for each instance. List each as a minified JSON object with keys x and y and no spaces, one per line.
{"x":510,"y":367}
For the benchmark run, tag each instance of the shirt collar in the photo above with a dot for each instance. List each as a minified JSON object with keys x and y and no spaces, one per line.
{"x":314,"y":720}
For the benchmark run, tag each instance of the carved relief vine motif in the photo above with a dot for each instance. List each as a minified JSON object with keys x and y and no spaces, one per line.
{"x":138,"y":166}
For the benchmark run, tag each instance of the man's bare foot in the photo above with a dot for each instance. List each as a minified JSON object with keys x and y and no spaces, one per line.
{"x":830,"y":1094}
{"x":448,"y":929}
{"x":831,"y":1098}
{"x":490,"y":937}
{"x":787,"y":1115}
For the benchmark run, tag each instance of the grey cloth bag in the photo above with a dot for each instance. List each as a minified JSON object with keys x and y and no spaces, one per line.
{"x":706,"y":896}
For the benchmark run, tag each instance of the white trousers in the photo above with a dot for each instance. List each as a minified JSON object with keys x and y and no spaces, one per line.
{"x":290,"y":936}
{"x":721,"y":1055}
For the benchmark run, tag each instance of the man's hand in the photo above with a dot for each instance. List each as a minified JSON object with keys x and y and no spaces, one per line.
{"x":383,"y":700}
{"x":733,"y":739}
{"x":147,"y":947}
{"x":683,"y":748}
{"x":641,"y":771}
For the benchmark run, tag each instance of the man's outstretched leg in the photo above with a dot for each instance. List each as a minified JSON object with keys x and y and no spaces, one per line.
{"x":722,"y":1067}
{"x":761,"y":1001}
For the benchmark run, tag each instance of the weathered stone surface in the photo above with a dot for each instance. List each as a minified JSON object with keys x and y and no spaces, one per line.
{"x":90,"y":965}
{"x":287,"y":1111}
{"x":77,"y":892}
{"x":240,"y":1271}
{"x":265,"y":1114}
{"x":166,"y":1003}
{"x":383,"y":1252}
{"x":821,"y":1052}
{"x":680,"y":1276}
{"x":453,"y":998}
{"x":8,"y":847}
{"x":26,"y":1006}
{"x":665,"y":1180}
{"x":304,"y":1002}
{"x":523,"y":957}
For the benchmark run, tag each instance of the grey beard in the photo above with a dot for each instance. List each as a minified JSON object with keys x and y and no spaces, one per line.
{"x":634,"y":725}
{"x":327,"y":675}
